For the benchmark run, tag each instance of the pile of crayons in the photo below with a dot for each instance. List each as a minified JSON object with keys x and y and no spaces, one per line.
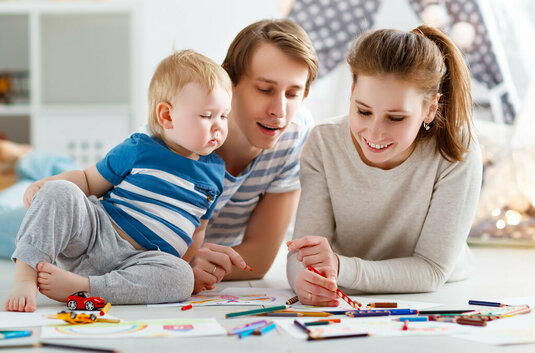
{"x":462,"y":317}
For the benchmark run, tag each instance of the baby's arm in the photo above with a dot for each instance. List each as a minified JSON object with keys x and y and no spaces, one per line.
{"x":198,"y":239}
{"x":89,"y":180}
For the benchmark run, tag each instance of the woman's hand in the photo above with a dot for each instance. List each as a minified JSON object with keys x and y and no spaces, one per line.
{"x":212,"y":262}
{"x":32,"y":190}
{"x":314,"y":289}
{"x":316,"y":251}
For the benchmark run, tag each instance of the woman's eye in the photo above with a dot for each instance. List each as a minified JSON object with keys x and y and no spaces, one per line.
{"x":364,"y":112}
{"x":396,"y":118}
{"x":266,"y":90}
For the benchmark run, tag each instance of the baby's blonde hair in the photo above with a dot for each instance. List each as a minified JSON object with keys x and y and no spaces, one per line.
{"x":176,"y":71}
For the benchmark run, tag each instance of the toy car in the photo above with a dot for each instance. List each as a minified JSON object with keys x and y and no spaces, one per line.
{"x":74,"y":318}
{"x":82,"y":300}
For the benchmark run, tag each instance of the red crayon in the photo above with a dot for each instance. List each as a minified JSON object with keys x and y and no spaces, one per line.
{"x":187,"y":307}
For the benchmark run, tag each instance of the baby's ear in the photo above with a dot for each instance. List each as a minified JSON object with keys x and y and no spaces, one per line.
{"x":163,"y":113}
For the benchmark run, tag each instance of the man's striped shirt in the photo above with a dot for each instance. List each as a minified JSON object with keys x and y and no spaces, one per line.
{"x":274,"y":170}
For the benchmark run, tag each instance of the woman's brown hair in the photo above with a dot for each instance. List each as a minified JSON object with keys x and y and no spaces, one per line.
{"x":427,"y":58}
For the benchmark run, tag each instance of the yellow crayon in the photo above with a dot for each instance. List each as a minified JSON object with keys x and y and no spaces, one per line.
{"x":105,"y":309}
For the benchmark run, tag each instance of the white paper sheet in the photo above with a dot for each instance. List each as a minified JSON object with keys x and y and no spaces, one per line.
{"x":239,"y":296}
{"x":135,"y":329}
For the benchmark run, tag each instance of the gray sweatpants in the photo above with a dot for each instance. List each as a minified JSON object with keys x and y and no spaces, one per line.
{"x":65,"y":226}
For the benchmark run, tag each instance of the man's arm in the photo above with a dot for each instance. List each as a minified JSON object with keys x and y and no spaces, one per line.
{"x":198,"y":239}
{"x":265,"y":231}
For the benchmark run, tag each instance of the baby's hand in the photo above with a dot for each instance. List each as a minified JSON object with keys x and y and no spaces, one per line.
{"x":32,"y":190}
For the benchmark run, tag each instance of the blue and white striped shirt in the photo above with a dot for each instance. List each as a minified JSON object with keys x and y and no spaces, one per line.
{"x":159,"y":197}
{"x":274,"y":170}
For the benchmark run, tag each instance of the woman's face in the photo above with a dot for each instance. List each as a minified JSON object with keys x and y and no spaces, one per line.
{"x":385,"y":116}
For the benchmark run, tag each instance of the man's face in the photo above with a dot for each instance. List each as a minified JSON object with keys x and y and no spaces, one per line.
{"x":267,"y":96}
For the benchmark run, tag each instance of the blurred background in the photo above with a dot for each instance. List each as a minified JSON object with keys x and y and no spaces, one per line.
{"x":74,"y":74}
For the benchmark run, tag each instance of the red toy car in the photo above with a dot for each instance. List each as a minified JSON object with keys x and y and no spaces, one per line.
{"x":82,"y":300}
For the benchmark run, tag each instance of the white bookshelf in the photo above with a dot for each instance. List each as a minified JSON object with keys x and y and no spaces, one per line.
{"x":78,"y":59}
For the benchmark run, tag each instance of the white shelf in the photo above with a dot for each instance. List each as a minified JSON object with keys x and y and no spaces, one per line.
{"x":79,"y":59}
{"x":59,"y":7}
{"x":14,"y":109}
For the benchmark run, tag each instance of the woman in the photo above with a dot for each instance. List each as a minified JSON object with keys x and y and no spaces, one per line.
{"x":389,"y":192}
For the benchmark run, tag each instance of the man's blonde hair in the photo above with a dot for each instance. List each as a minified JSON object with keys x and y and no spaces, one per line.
{"x":176,"y":71}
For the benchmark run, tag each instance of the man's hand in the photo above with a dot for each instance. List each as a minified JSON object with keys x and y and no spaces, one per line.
{"x":212,"y":262}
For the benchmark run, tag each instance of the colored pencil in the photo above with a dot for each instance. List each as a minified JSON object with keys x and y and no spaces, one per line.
{"x":256,"y":311}
{"x":5,"y":335}
{"x":249,"y":324}
{"x":266,"y":328}
{"x":405,"y":325}
{"x":440,"y":312}
{"x":319,"y":338}
{"x":292,"y":300}
{"x":318,"y":323}
{"x":380,"y":312}
{"x":246,"y":333}
{"x":251,"y":327}
{"x":382,"y":305}
{"x":301,"y":326}
{"x":484,"y":303}
{"x":412,"y":318}
{"x":354,"y":304}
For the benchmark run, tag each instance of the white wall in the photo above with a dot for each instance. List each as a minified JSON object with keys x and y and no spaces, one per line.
{"x":329,"y":95}
{"x":206,"y":26}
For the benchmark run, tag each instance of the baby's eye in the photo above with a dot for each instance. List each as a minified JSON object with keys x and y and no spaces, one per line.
{"x":206,"y":116}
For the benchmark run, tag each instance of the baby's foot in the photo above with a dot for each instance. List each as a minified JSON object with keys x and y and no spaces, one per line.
{"x":23,"y":297}
{"x":58,"y":284}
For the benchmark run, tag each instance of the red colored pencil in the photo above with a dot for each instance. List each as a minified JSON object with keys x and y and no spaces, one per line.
{"x":341,"y":294}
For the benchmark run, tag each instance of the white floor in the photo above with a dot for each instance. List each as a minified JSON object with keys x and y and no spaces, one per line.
{"x":499,"y":273}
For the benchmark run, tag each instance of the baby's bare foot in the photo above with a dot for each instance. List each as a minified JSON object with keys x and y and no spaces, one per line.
{"x":57,"y":283}
{"x":23,"y":297}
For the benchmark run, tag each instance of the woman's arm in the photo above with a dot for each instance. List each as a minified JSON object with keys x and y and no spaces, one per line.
{"x":441,"y":241}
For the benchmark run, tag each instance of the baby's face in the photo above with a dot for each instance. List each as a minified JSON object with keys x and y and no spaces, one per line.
{"x":199,"y":119}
